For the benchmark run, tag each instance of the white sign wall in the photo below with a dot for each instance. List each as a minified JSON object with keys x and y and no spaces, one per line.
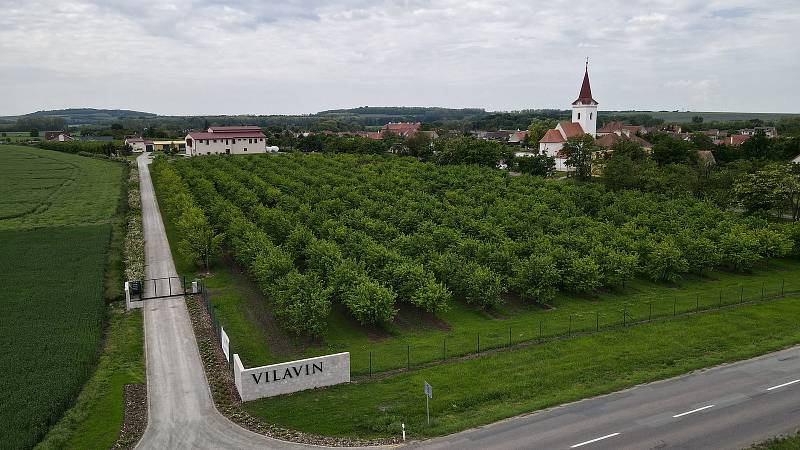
{"x":292,"y":376}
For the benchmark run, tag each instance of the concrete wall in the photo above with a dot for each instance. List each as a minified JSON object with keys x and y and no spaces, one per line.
{"x":292,"y":376}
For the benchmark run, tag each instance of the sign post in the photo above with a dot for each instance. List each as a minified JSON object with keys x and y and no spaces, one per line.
{"x":428,"y":396}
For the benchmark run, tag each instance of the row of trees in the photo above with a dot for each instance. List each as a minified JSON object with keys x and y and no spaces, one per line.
{"x":370,"y":232}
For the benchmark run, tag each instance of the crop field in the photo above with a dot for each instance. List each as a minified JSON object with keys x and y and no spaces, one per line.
{"x":403,"y":263}
{"x":45,"y":188}
{"x":708,"y":116}
{"x":55,"y":231}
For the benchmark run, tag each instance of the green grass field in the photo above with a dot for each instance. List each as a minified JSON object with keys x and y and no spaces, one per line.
{"x":58,"y":213}
{"x":708,"y":116}
{"x":479,"y":391}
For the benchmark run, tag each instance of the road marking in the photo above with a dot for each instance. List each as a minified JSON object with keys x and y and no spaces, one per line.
{"x":595,"y":440}
{"x":692,"y":411}
{"x":782,"y":385}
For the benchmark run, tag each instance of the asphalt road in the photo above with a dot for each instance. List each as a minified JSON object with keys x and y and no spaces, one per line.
{"x":728,"y":407}
{"x":181,"y":413}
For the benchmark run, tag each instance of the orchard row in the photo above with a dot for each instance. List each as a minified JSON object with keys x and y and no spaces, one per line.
{"x":371,"y":231}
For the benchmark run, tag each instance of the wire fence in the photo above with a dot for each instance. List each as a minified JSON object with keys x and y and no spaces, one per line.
{"x":368,"y":361}
{"x":399,"y":354}
{"x":216,"y":325}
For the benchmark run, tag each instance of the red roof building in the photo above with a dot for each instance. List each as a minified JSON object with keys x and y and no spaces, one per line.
{"x":226,"y":141}
{"x":403,"y":129}
{"x":552,"y":137}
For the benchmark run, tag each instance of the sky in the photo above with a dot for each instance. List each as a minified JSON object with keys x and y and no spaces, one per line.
{"x":200,"y":57}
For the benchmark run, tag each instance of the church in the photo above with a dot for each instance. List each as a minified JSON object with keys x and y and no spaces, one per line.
{"x":584,"y":121}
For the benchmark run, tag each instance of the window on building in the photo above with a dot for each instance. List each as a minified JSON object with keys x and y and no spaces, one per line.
{"x":250,"y":141}
{"x":245,"y":149}
{"x":207,"y":141}
{"x":579,"y":116}
{"x":215,"y":141}
{"x":590,"y":115}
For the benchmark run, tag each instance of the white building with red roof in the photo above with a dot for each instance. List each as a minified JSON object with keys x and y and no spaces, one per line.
{"x":236,"y":140}
{"x":584,"y":121}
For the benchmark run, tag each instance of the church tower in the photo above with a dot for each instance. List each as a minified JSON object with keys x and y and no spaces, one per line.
{"x":584,"y":109}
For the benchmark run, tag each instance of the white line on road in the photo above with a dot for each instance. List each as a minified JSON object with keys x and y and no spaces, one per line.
{"x":692,"y":411}
{"x":782,"y":385}
{"x":595,"y":440}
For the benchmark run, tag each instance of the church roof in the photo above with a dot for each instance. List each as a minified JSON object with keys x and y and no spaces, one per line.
{"x":585,"y":97}
{"x":552,"y":136}
{"x":571,"y":129}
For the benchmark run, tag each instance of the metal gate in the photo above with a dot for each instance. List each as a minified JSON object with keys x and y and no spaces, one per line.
{"x":158,"y":288}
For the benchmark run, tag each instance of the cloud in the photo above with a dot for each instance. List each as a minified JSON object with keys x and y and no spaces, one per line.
{"x":291,"y":56}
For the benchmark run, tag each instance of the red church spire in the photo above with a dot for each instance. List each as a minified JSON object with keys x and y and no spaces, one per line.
{"x":585,"y":97}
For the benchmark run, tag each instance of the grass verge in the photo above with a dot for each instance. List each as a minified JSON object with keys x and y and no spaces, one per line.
{"x":781,"y":443}
{"x":480,"y":391}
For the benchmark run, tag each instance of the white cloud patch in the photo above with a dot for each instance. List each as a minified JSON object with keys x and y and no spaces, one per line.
{"x":248,"y":56}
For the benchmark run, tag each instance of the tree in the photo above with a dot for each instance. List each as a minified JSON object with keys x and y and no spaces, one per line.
{"x":670,"y":150}
{"x":701,"y":141}
{"x":539,"y":165}
{"x":697,"y":119}
{"x":582,"y":274}
{"x":419,"y":145}
{"x":578,"y":152}
{"x":198,"y":239}
{"x":757,"y":147}
{"x":629,"y":148}
{"x":536,"y":278}
{"x":302,"y":303}
{"x":776,"y":187}
{"x":537,"y":129}
{"x":664,"y":261}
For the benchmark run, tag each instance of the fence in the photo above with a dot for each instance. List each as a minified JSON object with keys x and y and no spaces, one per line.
{"x":399,"y":354}
{"x":405,"y":355}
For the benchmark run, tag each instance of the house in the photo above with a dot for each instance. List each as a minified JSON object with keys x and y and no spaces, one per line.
{"x":735,"y":139}
{"x":164,"y":145}
{"x":402,"y":129}
{"x":610,"y":139}
{"x":60,"y":136}
{"x":139,"y":145}
{"x":236,"y":140}
{"x":619,"y":128}
{"x":770,"y":132}
{"x":517,"y":137}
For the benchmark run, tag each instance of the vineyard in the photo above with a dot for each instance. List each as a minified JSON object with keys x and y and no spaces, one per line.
{"x":373,"y":235}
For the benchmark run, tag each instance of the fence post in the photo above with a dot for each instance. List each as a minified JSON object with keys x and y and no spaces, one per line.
{"x":697,"y":303}
{"x":408,"y":357}
{"x":444,"y":348}
{"x":597,"y":320}
{"x":540,"y":329}
{"x":741,"y":294}
{"x":370,"y":364}
{"x":650,"y":316}
{"x":569,"y":330}
{"x":624,"y":316}
{"x":782,"y":282}
{"x":479,"y":342}
{"x":720,"y":299}
{"x":169,"y":283}
{"x":762,"y":290}
{"x":674,"y":306}
{"x":509,"y":336}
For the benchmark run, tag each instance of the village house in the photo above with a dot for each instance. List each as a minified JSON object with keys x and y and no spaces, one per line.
{"x":232,"y":140}
{"x":59,"y":136}
{"x":139,"y":145}
{"x":402,"y":129}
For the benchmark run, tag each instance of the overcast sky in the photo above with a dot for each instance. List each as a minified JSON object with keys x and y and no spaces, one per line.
{"x":198,"y":57}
